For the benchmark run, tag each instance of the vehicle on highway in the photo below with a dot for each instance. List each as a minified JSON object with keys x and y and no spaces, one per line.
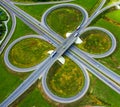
{"x":78,"y":27}
{"x":53,"y":54}
{"x":76,"y":34}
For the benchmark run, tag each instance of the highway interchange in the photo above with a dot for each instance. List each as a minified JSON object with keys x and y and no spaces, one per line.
{"x":80,"y":57}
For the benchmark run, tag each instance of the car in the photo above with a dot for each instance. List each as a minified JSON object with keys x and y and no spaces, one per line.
{"x":98,"y":65}
{"x":53,"y":54}
{"x":76,"y":34}
{"x":78,"y":27}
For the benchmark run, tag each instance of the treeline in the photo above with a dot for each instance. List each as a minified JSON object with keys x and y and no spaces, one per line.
{"x":35,"y":0}
{"x":2,"y":29}
{"x":3,"y":17}
{"x":44,"y":0}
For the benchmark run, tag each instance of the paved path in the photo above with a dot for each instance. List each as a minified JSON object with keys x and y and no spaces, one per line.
{"x":41,"y":3}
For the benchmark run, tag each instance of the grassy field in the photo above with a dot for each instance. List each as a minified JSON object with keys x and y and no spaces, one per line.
{"x":114,"y":16}
{"x":65,"y":80}
{"x":39,"y":10}
{"x":35,"y":0}
{"x":29,"y":52}
{"x":95,"y":42}
{"x":34,"y":99}
{"x":89,"y":5}
{"x":98,"y":94}
{"x":8,"y":81}
{"x":60,"y":20}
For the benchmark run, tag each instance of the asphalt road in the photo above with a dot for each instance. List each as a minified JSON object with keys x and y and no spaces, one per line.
{"x":42,"y":3}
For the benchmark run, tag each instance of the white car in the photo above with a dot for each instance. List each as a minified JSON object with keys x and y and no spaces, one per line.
{"x":76,"y":34}
{"x":78,"y":27}
{"x":53,"y":54}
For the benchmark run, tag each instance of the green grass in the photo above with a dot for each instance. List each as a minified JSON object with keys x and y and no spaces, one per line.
{"x":64,"y":20}
{"x":27,"y":1}
{"x":8,"y":81}
{"x":99,"y":94}
{"x":105,"y":94}
{"x":65,"y":80}
{"x":29,"y":52}
{"x":95,"y":42}
{"x":34,"y":99}
{"x":21,"y":30}
{"x":9,"y":24}
{"x":89,"y":5}
{"x":115,"y":15}
{"x":38,"y":10}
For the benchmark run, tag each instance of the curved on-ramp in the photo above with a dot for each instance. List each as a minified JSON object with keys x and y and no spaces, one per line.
{"x":6,"y":55}
{"x":42,"y":3}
